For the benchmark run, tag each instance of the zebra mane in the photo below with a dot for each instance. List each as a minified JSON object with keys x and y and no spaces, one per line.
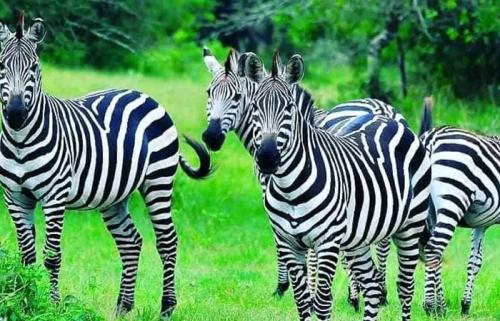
{"x":305,"y":103}
{"x":20,"y":25}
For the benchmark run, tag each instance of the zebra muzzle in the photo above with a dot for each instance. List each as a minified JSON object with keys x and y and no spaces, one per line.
{"x":15,"y":112}
{"x":213,"y":135}
{"x":268,"y":157}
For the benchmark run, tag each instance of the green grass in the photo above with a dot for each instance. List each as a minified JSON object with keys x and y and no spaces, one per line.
{"x":227,"y":264}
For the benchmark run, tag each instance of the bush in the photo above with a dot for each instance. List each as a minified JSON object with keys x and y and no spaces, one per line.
{"x":25,"y":295}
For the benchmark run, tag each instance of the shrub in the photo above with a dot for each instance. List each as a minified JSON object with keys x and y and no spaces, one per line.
{"x":24,"y":295}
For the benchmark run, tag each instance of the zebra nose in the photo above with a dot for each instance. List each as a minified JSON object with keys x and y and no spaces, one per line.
{"x":268,"y":157}
{"x":15,"y":112}
{"x":213,"y":135}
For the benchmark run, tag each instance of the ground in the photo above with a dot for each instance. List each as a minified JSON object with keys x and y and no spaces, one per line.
{"x":227,"y":264}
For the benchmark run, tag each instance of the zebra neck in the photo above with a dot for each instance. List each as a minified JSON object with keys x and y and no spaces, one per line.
{"x":307,"y":156}
{"x":244,"y":128}
{"x":36,"y":125}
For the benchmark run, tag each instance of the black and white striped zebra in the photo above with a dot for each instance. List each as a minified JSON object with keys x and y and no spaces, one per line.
{"x":229,"y":96}
{"x":465,"y":191}
{"x":87,"y":153}
{"x":332,"y":193}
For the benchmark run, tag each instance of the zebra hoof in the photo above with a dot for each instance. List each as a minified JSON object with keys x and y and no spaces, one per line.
{"x":383,"y":299}
{"x":167,"y":308}
{"x":429,"y":309}
{"x":354,"y":302}
{"x":167,"y":314}
{"x":123,"y":307}
{"x":465,"y":308}
{"x":281,"y":289}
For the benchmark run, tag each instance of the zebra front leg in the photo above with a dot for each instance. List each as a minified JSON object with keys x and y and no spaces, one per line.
{"x":54,"y":219}
{"x":365,"y":272}
{"x":473,"y":267}
{"x":283,"y":283}
{"x":21,"y":208}
{"x":296,"y":265}
{"x":382,"y":248}
{"x":327,"y":257}
{"x":128,"y":242}
{"x":353,"y":288}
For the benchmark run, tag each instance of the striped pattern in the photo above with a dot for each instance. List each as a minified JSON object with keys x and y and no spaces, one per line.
{"x":332,"y":193}
{"x":465,"y":191}
{"x":87,"y":153}
{"x":228,"y":104}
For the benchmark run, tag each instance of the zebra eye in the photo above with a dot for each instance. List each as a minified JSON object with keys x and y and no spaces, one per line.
{"x":2,"y":66}
{"x":34,"y":67}
{"x":237,"y":96}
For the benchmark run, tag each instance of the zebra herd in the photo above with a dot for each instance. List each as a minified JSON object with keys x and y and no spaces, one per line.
{"x":334,"y":182}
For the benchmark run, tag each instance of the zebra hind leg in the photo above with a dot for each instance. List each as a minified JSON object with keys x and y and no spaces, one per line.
{"x":312,"y":270}
{"x":353,"y":288}
{"x":382,"y":248}
{"x":129,"y":243}
{"x":407,"y":246}
{"x":473,"y":267}
{"x":157,"y":193}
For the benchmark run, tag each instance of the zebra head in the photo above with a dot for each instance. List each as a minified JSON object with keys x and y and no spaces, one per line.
{"x":20,"y":82}
{"x":273,"y":109}
{"x":225,"y":92}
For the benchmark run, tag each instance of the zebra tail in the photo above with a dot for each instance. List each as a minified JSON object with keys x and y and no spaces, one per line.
{"x":205,"y":168}
{"x":430,"y":222}
{"x":426,"y":122}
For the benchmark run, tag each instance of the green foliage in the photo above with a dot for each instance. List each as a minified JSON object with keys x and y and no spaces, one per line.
{"x":24,"y":295}
{"x":464,"y":45}
{"x":452,"y":43}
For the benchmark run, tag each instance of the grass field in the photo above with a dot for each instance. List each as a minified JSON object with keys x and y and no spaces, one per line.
{"x":227,"y":264}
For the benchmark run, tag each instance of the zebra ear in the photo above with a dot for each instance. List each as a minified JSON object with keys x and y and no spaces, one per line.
{"x":294,"y":69}
{"x":232,"y":61}
{"x":5,"y":33}
{"x":241,"y":65}
{"x":37,"y":31}
{"x":210,"y":61}
{"x":254,"y":69}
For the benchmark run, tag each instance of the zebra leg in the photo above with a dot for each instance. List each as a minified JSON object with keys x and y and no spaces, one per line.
{"x":157,"y":193}
{"x":21,"y":208}
{"x":434,"y":302}
{"x":327,"y":257}
{"x":365,"y":272}
{"x":353,"y":288}
{"x":128,"y":242}
{"x":473,"y":267}
{"x":407,"y":247}
{"x":312,"y":270}
{"x":54,"y":218}
{"x":382,"y":249}
{"x":296,"y":265}
{"x":283,"y":283}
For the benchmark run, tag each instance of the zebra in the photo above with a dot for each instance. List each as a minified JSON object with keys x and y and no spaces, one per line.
{"x":86,"y":153}
{"x":333,"y":193}
{"x":465,"y":191}
{"x":229,"y":96}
